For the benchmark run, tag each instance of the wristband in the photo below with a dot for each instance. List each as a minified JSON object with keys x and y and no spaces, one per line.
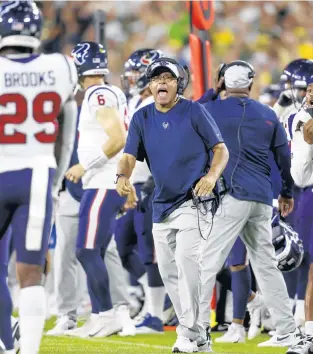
{"x":94,"y":162}
{"x":118,"y":176}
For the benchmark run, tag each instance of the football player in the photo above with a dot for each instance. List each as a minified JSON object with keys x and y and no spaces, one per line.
{"x":102,"y":136}
{"x":36,"y":101}
{"x":302,"y":173}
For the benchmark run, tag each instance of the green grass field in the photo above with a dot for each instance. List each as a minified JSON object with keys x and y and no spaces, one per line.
{"x":140,"y":344}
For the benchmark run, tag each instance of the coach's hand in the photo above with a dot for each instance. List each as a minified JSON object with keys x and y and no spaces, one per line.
{"x":285,"y":206}
{"x":123,"y":186}
{"x":132,"y":200}
{"x":308,"y":132}
{"x":205,"y":186}
{"x":75,"y":173}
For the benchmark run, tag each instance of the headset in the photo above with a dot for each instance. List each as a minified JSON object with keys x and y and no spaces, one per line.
{"x":223,"y":67}
{"x":184,"y":73}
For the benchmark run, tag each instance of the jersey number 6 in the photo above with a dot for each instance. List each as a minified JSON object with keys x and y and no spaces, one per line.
{"x":21,"y":114}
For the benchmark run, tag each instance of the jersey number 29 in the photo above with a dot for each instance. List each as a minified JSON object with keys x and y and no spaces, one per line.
{"x":22,"y":113}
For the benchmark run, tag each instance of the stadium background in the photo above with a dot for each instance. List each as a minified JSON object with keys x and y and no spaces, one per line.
{"x":267,"y":34}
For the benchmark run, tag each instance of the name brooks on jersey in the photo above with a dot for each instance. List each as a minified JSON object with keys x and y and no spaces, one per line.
{"x":29,"y":79}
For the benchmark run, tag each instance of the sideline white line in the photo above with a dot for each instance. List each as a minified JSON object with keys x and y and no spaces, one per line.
{"x":112,"y":341}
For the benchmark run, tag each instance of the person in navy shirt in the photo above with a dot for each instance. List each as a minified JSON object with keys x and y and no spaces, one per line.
{"x":250,"y":130}
{"x":176,"y":137}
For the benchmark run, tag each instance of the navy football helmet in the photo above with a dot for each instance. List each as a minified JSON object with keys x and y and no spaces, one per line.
{"x":90,"y":59}
{"x":288,"y":246}
{"x":295,"y":77}
{"x":20,"y":24}
{"x":134,"y":81}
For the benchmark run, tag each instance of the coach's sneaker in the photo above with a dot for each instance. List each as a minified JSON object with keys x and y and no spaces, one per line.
{"x":150,"y":325}
{"x":185,"y":345}
{"x":128,"y":326}
{"x":62,"y":325}
{"x":108,"y":323}
{"x":235,"y":334}
{"x":84,"y":330}
{"x":304,"y":346}
{"x":254,"y":308}
{"x":283,"y":340}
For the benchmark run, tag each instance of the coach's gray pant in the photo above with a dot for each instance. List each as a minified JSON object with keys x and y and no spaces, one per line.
{"x":68,"y":285}
{"x":252,"y":220}
{"x":177,"y":244}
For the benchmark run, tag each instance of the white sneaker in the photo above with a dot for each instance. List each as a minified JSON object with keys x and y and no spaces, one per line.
{"x":63,"y":324}
{"x":304,"y":346}
{"x":83,"y":331}
{"x":107,"y":324}
{"x":129,"y":328}
{"x":282,"y":340}
{"x":184,"y":345}
{"x":235,"y":334}
{"x":254,"y":308}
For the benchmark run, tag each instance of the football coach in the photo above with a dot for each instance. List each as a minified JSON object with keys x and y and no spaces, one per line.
{"x":186,"y":155}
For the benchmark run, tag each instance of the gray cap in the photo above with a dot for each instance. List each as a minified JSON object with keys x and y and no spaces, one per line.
{"x":237,"y":76}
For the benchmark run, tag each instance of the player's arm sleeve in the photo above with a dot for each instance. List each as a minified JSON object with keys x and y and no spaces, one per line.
{"x":302,"y":156}
{"x":65,"y":140}
{"x":134,"y":143}
{"x":281,"y":151}
{"x":205,"y":126}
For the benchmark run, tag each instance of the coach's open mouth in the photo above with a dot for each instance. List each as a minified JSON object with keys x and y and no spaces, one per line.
{"x":162,"y":92}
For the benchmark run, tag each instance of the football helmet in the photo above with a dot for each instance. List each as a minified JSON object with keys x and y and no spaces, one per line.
{"x":21,"y":24}
{"x":90,"y":59}
{"x":134,"y":80}
{"x":288,"y":246}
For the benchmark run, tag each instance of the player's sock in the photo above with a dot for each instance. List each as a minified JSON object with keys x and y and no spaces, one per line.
{"x":5,"y":314}
{"x":303,"y":272}
{"x":241,"y":286}
{"x":32,"y":316}
{"x":97,"y":275}
{"x":143,"y":281}
{"x":308,"y":328}
{"x":156,"y":291}
{"x":94,"y":297}
{"x":156,"y":303}
{"x":12,"y":351}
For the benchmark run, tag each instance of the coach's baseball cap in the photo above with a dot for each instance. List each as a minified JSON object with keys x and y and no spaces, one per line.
{"x":237,"y":76}
{"x":162,"y":67}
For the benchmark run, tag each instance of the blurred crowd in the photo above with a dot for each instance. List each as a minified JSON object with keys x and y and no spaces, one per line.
{"x":267,"y":34}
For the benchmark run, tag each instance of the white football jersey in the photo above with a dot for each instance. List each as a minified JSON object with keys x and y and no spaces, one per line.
{"x":92,"y":135}
{"x":33,"y":90}
{"x":283,"y":113}
{"x":133,"y":105}
{"x":141,"y":171}
{"x":301,"y":152}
